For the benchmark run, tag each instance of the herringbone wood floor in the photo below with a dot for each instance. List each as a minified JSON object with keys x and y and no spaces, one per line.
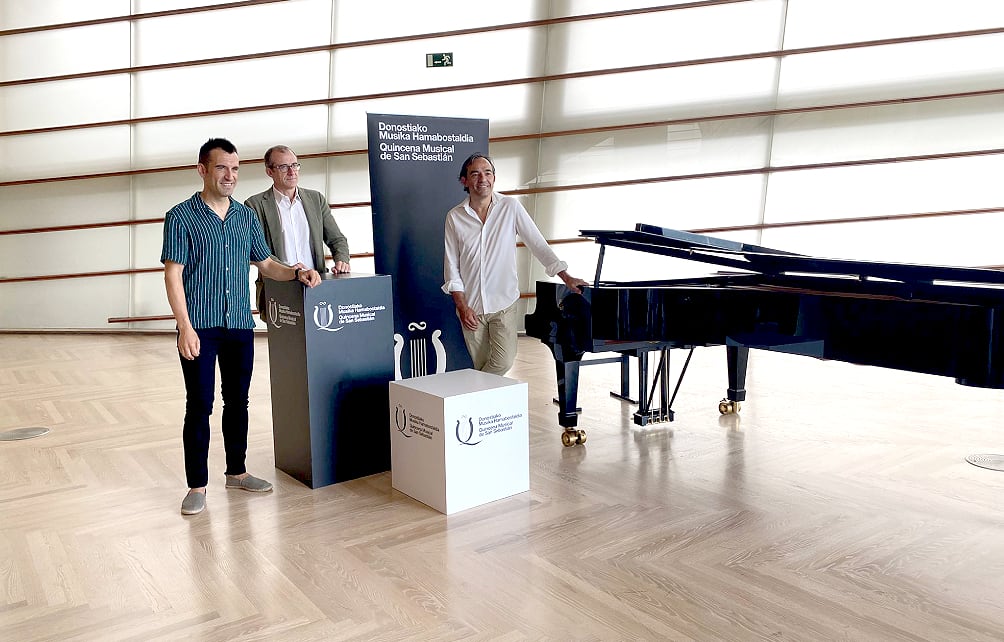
{"x":836,"y":506}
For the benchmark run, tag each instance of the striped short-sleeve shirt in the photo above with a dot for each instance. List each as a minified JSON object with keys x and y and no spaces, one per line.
{"x":217,"y":255}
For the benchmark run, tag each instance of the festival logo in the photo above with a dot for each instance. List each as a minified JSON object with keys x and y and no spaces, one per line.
{"x":324,"y":316}
{"x":465,"y":433}
{"x":273,"y":312}
{"x":401,"y":420}
{"x":426,"y":353}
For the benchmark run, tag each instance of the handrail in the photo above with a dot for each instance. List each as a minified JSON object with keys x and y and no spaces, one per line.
{"x":132,"y":17}
{"x":128,"y":272}
{"x":620,"y":183}
{"x":522,"y":295}
{"x":559,"y":241}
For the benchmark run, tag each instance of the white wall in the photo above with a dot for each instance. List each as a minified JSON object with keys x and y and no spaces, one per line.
{"x":704,"y":92}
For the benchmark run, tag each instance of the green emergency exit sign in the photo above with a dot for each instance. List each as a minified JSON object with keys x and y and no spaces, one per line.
{"x":439,"y":60}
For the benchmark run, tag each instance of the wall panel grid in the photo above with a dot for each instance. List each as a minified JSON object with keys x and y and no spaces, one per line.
{"x":831,"y":127}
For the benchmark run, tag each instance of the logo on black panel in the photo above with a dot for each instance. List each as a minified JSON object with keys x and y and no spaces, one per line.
{"x":273,"y":312}
{"x":324,"y":316}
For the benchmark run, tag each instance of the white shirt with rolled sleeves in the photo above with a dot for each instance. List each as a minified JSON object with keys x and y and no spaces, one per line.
{"x":480,"y":260}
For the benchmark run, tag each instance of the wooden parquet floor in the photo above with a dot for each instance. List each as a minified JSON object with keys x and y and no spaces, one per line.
{"x":836,"y":506}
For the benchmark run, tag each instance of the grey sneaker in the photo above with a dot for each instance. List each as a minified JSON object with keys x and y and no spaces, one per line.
{"x":249,"y":483}
{"x":194,"y":503}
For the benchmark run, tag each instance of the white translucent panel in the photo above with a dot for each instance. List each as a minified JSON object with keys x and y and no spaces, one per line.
{"x":64,"y":303}
{"x":177,"y":142}
{"x":147,"y":243}
{"x":348,"y":179}
{"x":159,"y":192}
{"x":150,"y":6}
{"x":20,"y":14}
{"x":232,"y":32}
{"x":254,"y":180}
{"x":402,"y":66}
{"x":70,"y":252}
{"x":885,"y":132}
{"x":149,"y":299}
{"x":821,"y":22}
{"x":67,"y":102}
{"x":580,"y":257}
{"x":506,"y":108}
{"x":248,"y":83}
{"x":64,"y":51}
{"x":61,"y":203}
{"x":560,"y":8}
{"x":684,"y":92}
{"x":965,"y":240}
{"x":356,"y":223}
{"x":529,"y":270}
{"x":873,"y":73}
{"x":683,"y":205}
{"x":654,"y":152}
{"x":886,"y":189}
{"x":516,"y":164}
{"x":364,"y":265}
{"x":666,"y":36}
{"x":356,"y":21}
{"x":66,"y":153}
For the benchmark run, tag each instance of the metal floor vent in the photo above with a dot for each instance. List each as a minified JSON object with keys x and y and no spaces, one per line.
{"x":22,"y":433}
{"x":993,"y":462}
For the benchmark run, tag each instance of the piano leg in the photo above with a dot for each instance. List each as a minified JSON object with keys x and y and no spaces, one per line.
{"x":737,"y":357}
{"x":568,"y":392}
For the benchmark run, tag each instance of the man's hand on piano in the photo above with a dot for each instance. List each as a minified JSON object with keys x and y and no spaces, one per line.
{"x":571,"y":282}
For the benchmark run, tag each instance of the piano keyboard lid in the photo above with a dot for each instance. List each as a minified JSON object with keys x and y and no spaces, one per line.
{"x":755,"y":258}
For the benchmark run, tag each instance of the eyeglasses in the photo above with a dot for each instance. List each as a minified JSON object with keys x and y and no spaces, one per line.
{"x":285,"y":168}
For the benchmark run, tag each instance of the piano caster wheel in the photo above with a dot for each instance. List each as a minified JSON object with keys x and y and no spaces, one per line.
{"x":727,"y":407}
{"x":573,"y":437}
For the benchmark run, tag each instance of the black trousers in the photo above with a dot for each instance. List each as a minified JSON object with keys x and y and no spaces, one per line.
{"x":234,"y":350}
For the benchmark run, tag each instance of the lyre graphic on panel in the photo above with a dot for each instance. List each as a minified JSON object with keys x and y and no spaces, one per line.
{"x":426,"y":352}
{"x":324,"y":316}
{"x":273,"y":312}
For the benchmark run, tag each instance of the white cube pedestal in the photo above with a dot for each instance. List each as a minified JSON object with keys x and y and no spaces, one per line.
{"x":459,"y":439}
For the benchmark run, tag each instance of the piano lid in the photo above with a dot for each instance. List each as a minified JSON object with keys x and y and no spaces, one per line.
{"x":763,"y":260}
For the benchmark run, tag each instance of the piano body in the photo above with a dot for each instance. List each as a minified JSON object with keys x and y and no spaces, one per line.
{"x":929,"y":319}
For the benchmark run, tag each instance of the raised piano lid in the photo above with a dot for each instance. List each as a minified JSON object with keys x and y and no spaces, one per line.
{"x":754,"y":258}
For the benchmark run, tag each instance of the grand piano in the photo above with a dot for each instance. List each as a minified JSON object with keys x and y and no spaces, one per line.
{"x":936,"y":320}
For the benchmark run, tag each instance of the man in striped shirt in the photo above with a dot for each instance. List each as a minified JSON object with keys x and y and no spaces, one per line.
{"x":210,"y":241}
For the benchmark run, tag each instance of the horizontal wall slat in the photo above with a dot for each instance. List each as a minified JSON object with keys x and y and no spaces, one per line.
{"x":504,"y":83}
{"x":571,"y":132}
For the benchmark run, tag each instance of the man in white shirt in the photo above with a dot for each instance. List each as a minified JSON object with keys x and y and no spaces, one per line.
{"x":479,"y":265}
{"x":297,"y":222}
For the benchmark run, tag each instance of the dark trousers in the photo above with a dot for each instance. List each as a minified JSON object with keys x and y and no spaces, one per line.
{"x":234,"y":349}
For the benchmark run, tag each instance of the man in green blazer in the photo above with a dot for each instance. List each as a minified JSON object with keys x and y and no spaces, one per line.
{"x":297,"y":222}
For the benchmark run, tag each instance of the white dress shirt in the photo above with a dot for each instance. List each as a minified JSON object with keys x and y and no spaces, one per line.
{"x":480,"y":260}
{"x":295,"y":231}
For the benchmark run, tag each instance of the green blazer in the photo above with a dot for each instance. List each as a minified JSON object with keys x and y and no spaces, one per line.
{"x":323,"y":229}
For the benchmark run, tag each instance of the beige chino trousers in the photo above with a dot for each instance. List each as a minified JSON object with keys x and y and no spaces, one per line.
{"x":493,"y":345}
